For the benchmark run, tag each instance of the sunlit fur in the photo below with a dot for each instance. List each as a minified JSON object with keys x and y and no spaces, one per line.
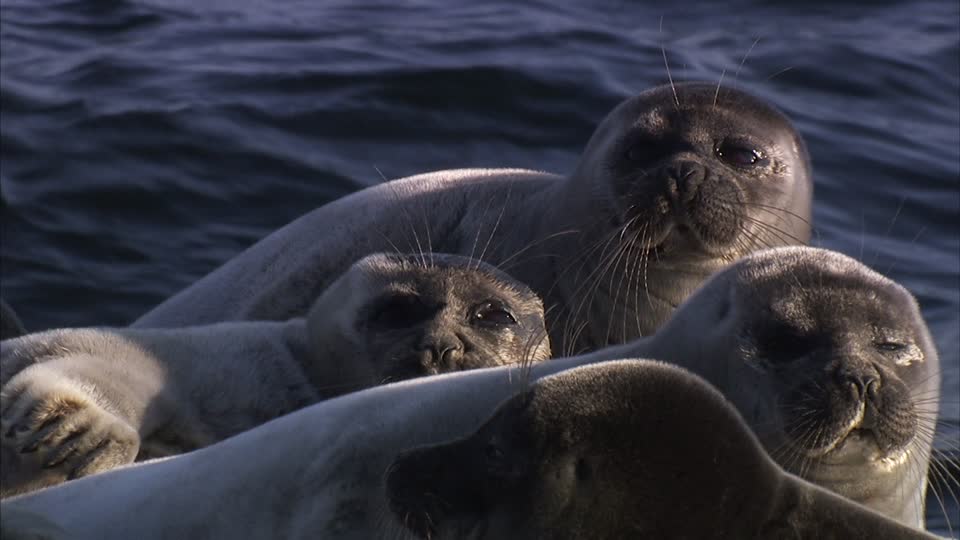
{"x":153,"y":392}
{"x":802,"y":329}
{"x":627,"y":449}
{"x":595,"y":244}
{"x":320,"y":472}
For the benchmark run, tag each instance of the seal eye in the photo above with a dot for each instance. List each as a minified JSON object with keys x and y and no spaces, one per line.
{"x":493,"y":313}
{"x":890,"y":346}
{"x":398,"y":311}
{"x":739,"y":154}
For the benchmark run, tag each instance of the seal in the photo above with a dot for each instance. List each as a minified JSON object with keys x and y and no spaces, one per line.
{"x":630,"y":449}
{"x":77,"y":402}
{"x":324,"y":466}
{"x":830,"y":363}
{"x":675,"y":183}
{"x":10,"y":325}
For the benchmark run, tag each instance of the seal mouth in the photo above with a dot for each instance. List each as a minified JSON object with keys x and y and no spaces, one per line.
{"x":859,"y":446}
{"x":855,"y":441}
{"x":686,"y":216}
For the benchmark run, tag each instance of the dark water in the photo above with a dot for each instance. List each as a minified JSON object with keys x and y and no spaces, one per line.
{"x":144,"y":143}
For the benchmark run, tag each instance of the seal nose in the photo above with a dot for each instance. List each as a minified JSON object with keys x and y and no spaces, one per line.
{"x":442,"y":352}
{"x":685,"y":179}
{"x":865,"y":385}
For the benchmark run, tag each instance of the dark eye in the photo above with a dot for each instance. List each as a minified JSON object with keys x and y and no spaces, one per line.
{"x":890,"y":346}
{"x":782,"y":344}
{"x":493,"y":313}
{"x":398,"y":311}
{"x":739,"y":154}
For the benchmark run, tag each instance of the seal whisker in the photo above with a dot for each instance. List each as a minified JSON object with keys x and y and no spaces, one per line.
{"x":743,"y":60}
{"x":893,"y":221}
{"x":622,"y":249}
{"x":778,"y":73}
{"x":781,"y":235}
{"x":572,"y":317}
{"x":633,"y":282}
{"x":716,"y":94}
{"x":383,"y":236}
{"x":663,"y":51}
{"x":941,"y":500}
{"x":406,"y":214}
{"x":476,"y":238}
{"x":772,"y":209}
{"x":496,"y":224}
{"x":913,"y":240}
{"x":505,"y":264}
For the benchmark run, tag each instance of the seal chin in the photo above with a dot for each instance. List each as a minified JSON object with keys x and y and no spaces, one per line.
{"x":851,"y":448}
{"x":861,"y":445}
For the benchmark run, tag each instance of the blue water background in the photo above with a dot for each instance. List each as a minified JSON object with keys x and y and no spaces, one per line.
{"x":143,"y":143}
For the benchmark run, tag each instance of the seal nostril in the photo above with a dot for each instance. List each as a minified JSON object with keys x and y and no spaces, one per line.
{"x":450,"y":354}
{"x":582,"y":469}
{"x":864,"y":385}
{"x":687,"y":175}
{"x":872,"y":385}
{"x":445,"y":353}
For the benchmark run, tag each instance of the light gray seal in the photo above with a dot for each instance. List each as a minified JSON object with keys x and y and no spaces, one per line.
{"x":618,"y":450}
{"x":674,"y":184}
{"x":320,"y":471}
{"x":77,"y":402}
{"x":831,"y":364}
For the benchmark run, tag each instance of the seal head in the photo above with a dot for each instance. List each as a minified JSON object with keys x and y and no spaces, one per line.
{"x":687,"y":180}
{"x":393,"y":317}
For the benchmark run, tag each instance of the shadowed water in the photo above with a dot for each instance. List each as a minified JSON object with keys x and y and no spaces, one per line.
{"x":143,"y":143}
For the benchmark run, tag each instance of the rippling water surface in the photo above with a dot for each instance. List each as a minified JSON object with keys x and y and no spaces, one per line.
{"x":143,"y":143}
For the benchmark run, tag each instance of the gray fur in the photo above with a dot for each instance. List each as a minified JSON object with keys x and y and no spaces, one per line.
{"x":629,"y":449}
{"x":649,"y":212}
{"x":786,"y":335}
{"x":154,"y":392}
{"x":320,"y":471}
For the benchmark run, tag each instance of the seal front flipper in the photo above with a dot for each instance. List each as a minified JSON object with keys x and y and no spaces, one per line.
{"x":52,"y":431}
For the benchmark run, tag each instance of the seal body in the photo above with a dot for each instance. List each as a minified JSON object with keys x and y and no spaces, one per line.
{"x":76,"y":402}
{"x":321,"y":471}
{"x":630,"y":449}
{"x":670,"y":188}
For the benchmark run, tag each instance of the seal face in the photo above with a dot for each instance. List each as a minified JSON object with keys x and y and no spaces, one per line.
{"x":698,"y":170}
{"x":850,"y":364}
{"x":832,"y":365}
{"x":400,"y":316}
{"x":690,"y":179}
